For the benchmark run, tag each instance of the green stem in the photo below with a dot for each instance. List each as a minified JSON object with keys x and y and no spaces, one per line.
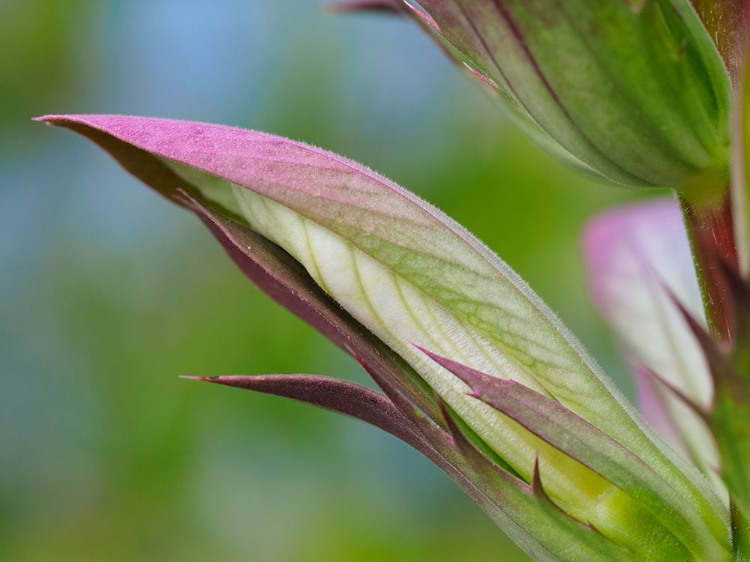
{"x":740,"y":535}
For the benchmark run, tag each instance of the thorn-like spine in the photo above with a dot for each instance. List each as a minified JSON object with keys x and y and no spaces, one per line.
{"x":699,"y":409}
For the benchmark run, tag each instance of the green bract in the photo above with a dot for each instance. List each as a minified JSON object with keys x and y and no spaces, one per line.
{"x":632,"y":89}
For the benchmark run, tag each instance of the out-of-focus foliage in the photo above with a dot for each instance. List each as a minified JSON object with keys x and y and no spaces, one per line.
{"x":39,"y":59}
{"x":107,"y":293}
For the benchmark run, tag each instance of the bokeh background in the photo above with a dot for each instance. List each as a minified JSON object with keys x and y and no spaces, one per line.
{"x":107,"y":293}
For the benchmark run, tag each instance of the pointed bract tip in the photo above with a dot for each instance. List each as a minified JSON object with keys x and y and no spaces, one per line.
{"x":378,"y":6}
{"x":46,"y":119}
{"x":696,"y":407}
{"x":536,"y":480}
{"x":471,"y":377}
{"x":426,"y":18}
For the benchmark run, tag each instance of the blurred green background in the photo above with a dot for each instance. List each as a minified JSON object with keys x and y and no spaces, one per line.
{"x":108,"y":293}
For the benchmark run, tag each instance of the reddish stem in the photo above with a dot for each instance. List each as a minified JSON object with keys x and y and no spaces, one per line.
{"x":711,"y":234}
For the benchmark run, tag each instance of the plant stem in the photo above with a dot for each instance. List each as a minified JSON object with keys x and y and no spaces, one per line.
{"x":740,"y":535}
{"x":711,"y":232}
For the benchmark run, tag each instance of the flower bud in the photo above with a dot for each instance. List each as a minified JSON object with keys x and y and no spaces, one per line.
{"x":634,"y":90}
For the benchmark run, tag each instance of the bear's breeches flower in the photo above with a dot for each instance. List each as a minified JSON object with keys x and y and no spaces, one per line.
{"x":494,"y":388}
{"x":476,"y":371}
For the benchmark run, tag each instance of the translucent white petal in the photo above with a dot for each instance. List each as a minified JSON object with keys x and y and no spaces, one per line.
{"x":637,"y":256}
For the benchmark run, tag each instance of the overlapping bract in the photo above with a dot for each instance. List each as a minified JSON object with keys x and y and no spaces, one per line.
{"x":634,"y":90}
{"x":693,"y":390}
{"x":641,"y":267}
{"x":317,"y":232}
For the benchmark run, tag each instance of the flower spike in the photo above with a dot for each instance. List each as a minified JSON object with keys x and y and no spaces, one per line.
{"x":476,"y":372}
{"x":377,"y":270}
